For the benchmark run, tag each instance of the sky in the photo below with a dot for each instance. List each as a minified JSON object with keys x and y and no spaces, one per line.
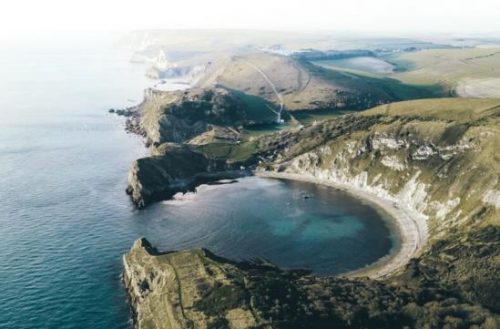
{"x":24,"y":19}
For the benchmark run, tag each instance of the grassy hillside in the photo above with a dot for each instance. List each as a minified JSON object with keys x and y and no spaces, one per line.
{"x":177,"y":116}
{"x":364,"y":64}
{"x":468,"y":72}
{"x":460,"y":110}
{"x":395,"y":89}
{"x":300,"y":85}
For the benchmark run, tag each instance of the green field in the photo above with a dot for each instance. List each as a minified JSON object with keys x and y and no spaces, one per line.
{"x":467,"y":72}
{"x":363,"y":65}
{"x":462,"y":110}
{"x":452,"y":68}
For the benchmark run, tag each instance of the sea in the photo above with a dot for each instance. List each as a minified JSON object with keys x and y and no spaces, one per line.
{"x":66,"y":221}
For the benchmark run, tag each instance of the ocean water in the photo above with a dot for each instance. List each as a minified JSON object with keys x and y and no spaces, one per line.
{"x":65,"y":220}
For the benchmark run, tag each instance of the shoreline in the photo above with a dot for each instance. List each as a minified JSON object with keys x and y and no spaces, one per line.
{"x":410,"y":228}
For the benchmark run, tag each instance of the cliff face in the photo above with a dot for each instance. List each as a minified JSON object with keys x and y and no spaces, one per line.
{"x":167,"y":290}
{"x":174,"y":168}
{"x":159,"y":177}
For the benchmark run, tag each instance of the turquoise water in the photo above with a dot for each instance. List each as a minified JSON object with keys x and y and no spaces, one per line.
{"x":65,"y":220}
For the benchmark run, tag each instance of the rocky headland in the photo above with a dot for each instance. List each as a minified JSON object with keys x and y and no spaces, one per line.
{"x":178,"y":126}
{"x":196,"y":289}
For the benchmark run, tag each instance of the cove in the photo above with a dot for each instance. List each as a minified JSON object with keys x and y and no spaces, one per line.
{"x":291,"y":224}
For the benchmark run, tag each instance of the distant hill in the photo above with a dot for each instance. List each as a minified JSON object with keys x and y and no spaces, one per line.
{"x":299,"y":85}
{"x":469,"y":72}
{"x":464,"y":72}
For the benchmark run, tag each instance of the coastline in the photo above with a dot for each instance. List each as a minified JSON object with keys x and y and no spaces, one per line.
{"x":410,"y":228}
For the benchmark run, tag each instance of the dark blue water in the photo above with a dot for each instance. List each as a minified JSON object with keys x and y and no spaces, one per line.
{"x":65,"y":220}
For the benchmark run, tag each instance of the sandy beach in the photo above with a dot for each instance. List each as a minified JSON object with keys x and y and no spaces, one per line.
{"x":410,"y":227}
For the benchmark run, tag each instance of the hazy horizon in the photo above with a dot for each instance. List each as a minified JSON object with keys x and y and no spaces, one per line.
{"x":380,"y":18}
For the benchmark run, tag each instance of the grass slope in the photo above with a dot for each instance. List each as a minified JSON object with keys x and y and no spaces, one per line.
{"x":451,"y":68}
{"x":466,"y":72}
{"x":303,"y":86}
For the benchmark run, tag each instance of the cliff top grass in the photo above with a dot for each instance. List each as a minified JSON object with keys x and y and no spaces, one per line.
{"x":461,"y":110}
{"x":467,"y":72}
{"x":447,"y":65}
